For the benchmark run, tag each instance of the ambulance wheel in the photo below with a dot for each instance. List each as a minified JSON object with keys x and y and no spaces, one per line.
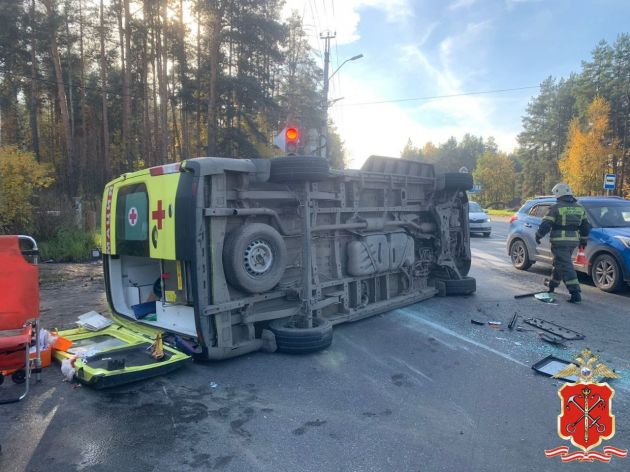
{"x":299,"y":169}
{"x":254,"y":257}
{"x":19,"y":376}
{"x":294,"y":340}
{"x":463,"y":286}
{"x":454,"y":181}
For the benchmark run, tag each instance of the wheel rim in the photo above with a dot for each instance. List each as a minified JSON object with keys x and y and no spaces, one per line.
{"x":605,"y":274}
{"x":258,"y":257}
{"x":518,"y":254}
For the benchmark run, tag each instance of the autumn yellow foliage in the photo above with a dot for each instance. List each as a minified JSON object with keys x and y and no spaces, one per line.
{"x":589,"y":150}
{"x":20,"y":176}
{"x":497,"y":177}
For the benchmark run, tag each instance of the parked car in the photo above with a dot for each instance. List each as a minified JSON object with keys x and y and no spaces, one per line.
{"x":478,"y":220}
{"x":608,"y":249}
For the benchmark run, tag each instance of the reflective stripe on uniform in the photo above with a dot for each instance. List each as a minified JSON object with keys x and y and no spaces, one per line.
{"x":549,"y":218}
{"x":572,"y":282}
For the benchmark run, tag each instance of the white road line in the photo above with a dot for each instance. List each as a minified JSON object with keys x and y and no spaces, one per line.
{"x":414,"y":316}
{"x":412,"y":369}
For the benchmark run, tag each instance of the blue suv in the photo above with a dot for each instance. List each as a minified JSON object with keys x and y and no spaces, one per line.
{"x":608,"y":249}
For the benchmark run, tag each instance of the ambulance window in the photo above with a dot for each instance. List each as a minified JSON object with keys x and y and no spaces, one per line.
{"x":132,"y":221}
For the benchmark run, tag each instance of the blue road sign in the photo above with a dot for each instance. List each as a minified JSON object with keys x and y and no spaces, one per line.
{"x":610,"y":181}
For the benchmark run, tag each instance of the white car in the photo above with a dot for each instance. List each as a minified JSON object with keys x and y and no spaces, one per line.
{"x":478,"y":220}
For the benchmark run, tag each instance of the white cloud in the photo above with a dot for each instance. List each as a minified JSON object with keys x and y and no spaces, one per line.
{"x":385,"y":128}
{"x":457,"y":4}
{"x":344,"y":17}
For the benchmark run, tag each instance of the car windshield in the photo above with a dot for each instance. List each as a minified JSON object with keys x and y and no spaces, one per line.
{"x":474,"y":207}
{"x":610,"y":215}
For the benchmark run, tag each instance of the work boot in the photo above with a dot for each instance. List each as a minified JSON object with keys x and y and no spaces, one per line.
{"x":576,"y":297}
{"x":551,"y":285}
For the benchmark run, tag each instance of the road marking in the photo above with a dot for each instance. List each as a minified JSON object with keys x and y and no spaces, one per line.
{"x":477,"y":254}
{"x":413,"y":316}
{"x":413,"y":369}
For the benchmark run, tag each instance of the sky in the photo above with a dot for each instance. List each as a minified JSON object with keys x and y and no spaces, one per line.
{"x":433,"y":48}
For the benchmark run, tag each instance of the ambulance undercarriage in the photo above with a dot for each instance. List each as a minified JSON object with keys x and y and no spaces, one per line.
{"x":272,"y":253}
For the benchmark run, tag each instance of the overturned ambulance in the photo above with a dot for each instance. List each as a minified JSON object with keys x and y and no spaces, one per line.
{"x":244,"y":253}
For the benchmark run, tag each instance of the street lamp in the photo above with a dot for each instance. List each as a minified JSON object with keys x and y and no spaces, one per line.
{"x":324,"y":145}
{"x":353,"y":58}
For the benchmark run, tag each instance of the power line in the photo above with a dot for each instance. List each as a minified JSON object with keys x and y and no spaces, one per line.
{"x":434,"y":97}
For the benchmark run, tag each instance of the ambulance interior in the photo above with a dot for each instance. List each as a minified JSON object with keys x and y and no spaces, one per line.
{"x":153,"y":291}
{"x":136,"y":282}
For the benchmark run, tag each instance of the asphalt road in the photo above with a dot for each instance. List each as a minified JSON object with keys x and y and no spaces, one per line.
{"x":416,"y":389}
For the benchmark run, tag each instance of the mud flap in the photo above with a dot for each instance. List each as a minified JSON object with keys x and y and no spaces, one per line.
{"x":117,"y":355}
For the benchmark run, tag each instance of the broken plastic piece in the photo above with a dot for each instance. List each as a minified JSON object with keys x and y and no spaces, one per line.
{"x":476,"y":322}
{"x":546,"y":297}
{"x":529,"y":294}
{"x":495,"y":323}
{"x":553,"y":328}
{"x":551,"y":365}
{"x":551,"y":339}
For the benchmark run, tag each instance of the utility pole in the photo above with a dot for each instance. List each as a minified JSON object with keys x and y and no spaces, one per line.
{"x":323,"y":136}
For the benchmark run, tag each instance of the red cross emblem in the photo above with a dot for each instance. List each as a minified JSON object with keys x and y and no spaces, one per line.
{"x":132,"y":216}
{"x":158,"y":214}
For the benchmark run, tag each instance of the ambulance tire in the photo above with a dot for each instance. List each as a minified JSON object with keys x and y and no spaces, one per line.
{"x":299,"y":169}
{"x":293,"y":340}
{"x":463,"y":286}
{"x":454,"y":181}
{"x":260,"y":241}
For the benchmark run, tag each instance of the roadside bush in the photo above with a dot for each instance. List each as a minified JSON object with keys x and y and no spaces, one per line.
{"x":69,"y":244}
{"x":21,"y":175}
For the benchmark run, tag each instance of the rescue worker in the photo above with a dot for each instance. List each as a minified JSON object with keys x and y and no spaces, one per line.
{"x":569,"y":227}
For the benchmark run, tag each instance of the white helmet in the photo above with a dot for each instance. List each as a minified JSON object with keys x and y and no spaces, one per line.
{"x":561,"y":189}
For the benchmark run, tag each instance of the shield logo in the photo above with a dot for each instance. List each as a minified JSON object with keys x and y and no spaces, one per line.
{"x":586,"y":416}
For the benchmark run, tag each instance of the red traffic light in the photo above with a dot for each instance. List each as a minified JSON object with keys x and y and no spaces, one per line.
{"x":292,"y":135}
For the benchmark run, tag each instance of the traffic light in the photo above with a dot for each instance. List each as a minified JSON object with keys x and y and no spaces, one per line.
{"x":291,"y":139}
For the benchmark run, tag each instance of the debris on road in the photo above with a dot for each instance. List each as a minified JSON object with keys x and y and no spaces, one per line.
{"x":513,"y":322}
{"x":477,"y":322}
{"x":551,"y":339}
{"x":67,"y":368}
{"x":551,"y":365}
{"x":494,"y":324}
{"x":529,"y":294}
{"x":553,"y":328}
{"x":545,"y":297}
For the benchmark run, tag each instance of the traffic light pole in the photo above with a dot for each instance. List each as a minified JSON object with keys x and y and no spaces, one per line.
{"x":323,"y":136}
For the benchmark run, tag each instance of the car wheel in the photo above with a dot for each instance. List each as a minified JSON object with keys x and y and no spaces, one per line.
{"x":519,"y":255}
{"x":486,"y":235}
{"x":606,"y":273}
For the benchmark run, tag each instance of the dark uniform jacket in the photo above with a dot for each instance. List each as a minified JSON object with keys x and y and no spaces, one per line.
{"x":567,"y":221}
